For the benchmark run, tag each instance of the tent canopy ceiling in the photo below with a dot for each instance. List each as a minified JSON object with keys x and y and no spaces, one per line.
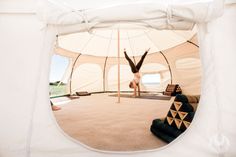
{"x":135,"y":41}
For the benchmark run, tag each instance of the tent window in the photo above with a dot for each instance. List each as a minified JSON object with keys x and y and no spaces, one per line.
{"x":151,"y":79}
{"x":59,"y":65}
{"x":155,"y":77}
{"x":152,"y":82}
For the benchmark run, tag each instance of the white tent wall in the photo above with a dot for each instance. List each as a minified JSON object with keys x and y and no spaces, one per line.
{"x":28,"y":128}
{"x":225,"y":75}
{"x":196,"y":138}
{"x":19,"y":74}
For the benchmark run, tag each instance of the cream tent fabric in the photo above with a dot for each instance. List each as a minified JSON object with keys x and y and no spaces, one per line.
{"x":27,"y":125}
{"x":97,"y":72}
{"x":104,"y":42}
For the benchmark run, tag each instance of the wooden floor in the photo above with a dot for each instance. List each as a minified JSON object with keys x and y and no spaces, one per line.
{"x":100,"y":122}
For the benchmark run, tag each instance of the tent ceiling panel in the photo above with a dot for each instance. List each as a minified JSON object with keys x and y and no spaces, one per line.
{"x":184,"y":50}
{"x":136,"y":41}
{"x":90,"y":59}
{"x":66,"y":53}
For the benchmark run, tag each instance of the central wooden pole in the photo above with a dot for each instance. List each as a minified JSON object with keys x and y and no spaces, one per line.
{"x":118,"y":60}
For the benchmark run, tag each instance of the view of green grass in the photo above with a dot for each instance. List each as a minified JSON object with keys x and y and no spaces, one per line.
{"x":57,"y":90}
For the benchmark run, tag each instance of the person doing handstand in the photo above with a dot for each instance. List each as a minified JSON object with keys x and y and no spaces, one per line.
{"x":135,"y":69}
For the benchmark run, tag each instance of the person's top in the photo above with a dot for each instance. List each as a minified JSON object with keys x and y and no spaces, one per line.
{"x":137,"y":77}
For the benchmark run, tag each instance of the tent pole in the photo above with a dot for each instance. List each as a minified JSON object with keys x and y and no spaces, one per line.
{"x":72,"y":71}
{"x":118,"y":60}
{"x":192,"y":43}
{"x":104,"y":75}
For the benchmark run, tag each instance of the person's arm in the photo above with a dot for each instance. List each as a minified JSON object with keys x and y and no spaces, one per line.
{"x":135,"y":88}
{"x":138,"y":90}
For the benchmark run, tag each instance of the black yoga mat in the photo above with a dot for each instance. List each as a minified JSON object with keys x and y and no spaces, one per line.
{"x":144,"y":96}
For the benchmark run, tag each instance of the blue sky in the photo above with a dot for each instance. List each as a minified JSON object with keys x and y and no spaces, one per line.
{"x":58,"y":67}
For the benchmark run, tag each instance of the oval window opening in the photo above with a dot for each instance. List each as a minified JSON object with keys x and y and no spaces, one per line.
{"x":93,"y":115}
{"x":151,"y":80}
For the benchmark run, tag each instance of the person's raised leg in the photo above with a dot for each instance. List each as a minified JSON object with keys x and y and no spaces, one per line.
{"x":131,"y":64}
{"x":138,"y":66}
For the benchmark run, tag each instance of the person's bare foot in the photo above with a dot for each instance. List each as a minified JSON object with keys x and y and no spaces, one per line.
{"x":55,"y":108}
